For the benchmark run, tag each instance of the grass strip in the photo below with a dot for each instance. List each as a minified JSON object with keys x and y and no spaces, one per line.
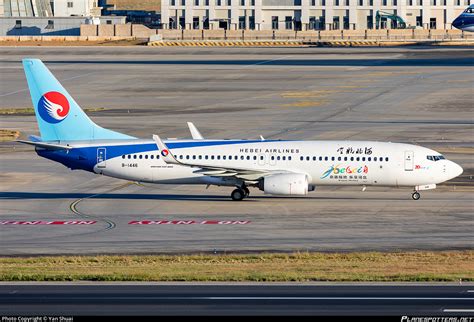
{"x":422,"y":266}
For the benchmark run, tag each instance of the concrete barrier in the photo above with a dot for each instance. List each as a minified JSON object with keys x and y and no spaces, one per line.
{"x":88,"y":30}
{"x":123,"y":30}
{"x":106,"y":30}
{"x":141,"y":31}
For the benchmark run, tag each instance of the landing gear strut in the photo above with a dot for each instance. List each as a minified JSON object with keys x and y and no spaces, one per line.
{"x":416,"y":195}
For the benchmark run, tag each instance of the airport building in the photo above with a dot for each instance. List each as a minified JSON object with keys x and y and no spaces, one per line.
{"x":310,"y":14}
{"x":50,"y":17}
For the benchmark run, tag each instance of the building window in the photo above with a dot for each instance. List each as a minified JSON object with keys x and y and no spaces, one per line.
{"x":288,"y":22}
{"x":70,"y":4}
{"x":313,"y":3}
{"x":196,"y":2}
{"x":195,"y":22}
{"x":172,"y":2}
{"x":242,"y":2}
{"x":17,"y":24}
{"x":347,"y":2}
{"x":395,"y":3}
{"x":50,"y":24}
{"x":361,"y":2}
{"x":242,"y":22}
{"x":275,"y":22}
{"x":336,"y":2}
{"x":229,"y":2}
{"x":297,"y":2}
{"x":109,"y":22}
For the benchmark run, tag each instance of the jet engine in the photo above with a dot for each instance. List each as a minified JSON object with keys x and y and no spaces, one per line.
{"x":285,"y":184}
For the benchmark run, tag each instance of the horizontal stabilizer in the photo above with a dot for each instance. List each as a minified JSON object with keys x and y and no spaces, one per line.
{"x":47,"y":146}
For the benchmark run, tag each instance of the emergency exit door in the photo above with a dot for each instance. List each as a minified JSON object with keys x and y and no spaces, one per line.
{"x":409,"y":161}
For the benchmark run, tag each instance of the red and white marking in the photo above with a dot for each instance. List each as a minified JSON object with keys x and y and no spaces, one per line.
{"x":189,"y":222}
{"x":42,"y":222}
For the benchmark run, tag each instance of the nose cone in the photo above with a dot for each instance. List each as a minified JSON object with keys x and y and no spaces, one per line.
{"x":455,"y":170}
{"x":458,"y":23}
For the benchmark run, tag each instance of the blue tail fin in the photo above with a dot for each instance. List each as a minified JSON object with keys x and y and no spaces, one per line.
{"x":59,"y":117}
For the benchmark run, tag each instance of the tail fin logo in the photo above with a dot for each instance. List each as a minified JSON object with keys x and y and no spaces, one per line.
{"x":53,"y":107}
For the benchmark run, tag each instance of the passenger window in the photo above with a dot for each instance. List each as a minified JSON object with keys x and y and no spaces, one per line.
{"x":157,"y":156}
{"x":200,"y":157}
{"x":194,"y":157}
{"x":320,"y":158}
{"x":255,"y":157}
{"x":212,"y":157}
{"x":326,"y":158}
{"x":352,"y":158}
{"x":218,"y":157}
{"x":369,"y":159}
{"x":123,"y":156}
{"x":363,"y":158}
{"x":339,"y":158}
{"x":134,"y":156}
{"x":375,"y":158}
{"x":301,"y":158}
{"x":283,"y":158}
{"x":187,"y":157}
{"x":223,"y":157}
{"x":333,"y":158}
{"x":152,"y":156}
{"x":308,"y":158}
{"x":230,"y":157}
{"x":241,"y":157}
{"x":248,"y":157}
{"x":357,"y":159}
{"x":146,"y":156}
{"x":289,"y":158}
{"x":206,"y":157}
{"x":140,"y":156}
{"x":386,"y":159}
{"x":273,"y":158}
{"x":129,"y":156}
{"x":345,"y":158}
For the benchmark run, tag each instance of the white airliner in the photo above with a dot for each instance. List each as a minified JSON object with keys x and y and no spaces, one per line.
{"x":278,"y":167}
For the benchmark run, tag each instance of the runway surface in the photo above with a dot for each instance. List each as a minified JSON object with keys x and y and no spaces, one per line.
{"x":416,"y":95}
{"x":237,"y":299}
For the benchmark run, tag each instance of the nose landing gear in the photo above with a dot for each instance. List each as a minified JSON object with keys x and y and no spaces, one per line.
{"x":416,"y":195}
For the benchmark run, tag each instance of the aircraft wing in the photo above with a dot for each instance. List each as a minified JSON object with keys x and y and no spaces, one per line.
{"x":241,"y":173}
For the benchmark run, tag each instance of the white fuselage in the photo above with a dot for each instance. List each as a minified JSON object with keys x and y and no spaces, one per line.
{"x":324,"y":162}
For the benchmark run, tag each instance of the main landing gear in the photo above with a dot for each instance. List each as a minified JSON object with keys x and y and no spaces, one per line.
{"x":240,"y":193}
{"x":416,"y":195}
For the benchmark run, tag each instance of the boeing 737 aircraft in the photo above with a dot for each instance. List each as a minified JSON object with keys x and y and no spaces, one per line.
{"x":465,"y":21}
{"x":278,"y":167}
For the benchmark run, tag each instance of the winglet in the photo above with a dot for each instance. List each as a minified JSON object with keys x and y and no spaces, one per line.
{"x":262,"y":138}
{"x":164,"y":151}
{"x":195,"y":132}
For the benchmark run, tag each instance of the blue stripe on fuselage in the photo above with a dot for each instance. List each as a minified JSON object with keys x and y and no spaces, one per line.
{"x":85,"y":158}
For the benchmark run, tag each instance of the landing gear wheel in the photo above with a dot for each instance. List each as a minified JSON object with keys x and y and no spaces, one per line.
{"x":237,"y":194}
{"x":416,"y":195}
{"x":247,"y":191}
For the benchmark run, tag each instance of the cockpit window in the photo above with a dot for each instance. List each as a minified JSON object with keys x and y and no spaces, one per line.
{"x":435,"y":157}
{"x":469,"y":10}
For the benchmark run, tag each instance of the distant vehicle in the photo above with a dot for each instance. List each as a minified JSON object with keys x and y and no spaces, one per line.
{"x":278,"y":167}
{"x":465,"y":21}
{"x":401,"y":24}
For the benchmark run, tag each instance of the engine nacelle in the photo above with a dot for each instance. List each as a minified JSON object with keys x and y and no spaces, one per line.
{"x":285,"y":184}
